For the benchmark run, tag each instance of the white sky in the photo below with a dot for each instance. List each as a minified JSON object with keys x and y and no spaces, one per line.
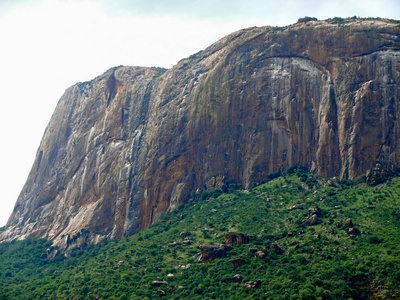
{"x":48,"y":45}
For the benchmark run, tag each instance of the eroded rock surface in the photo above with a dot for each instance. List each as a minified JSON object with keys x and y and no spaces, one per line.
{"x":235,"y":238}
{"x":210,"y":252}
{"x":133,"y":143}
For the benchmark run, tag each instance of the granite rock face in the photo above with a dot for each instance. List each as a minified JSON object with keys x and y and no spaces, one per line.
{"x":133,"y":143}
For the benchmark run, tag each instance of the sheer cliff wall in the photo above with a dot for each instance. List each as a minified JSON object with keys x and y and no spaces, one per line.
{"x":133,"y":143}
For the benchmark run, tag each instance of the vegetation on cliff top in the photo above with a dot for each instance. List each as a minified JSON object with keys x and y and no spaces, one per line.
{"x":334,"y":258}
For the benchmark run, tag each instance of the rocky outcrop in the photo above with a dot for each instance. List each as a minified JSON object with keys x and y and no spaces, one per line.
{"x":210,"y":252}
{"x":312,"y":216}
{"x":237,"y":278}
{"x":159,"y":283}
{"x":133,"y":143}
{"x":252,"y":284}
{"x":275,"y":248}
{"x":235,"y":238}
{"x":237,"y":262}
{"x":376,"y":175}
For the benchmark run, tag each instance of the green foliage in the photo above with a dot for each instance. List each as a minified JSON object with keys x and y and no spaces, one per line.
{"x":307,"y":19}
{"x":160,"y":71}
{"x":195,"y":55}
{"x":322,"y":261}
{"x":338,"y":20}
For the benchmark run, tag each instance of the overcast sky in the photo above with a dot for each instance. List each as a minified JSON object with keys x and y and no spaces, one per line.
{"x":48,"y":45}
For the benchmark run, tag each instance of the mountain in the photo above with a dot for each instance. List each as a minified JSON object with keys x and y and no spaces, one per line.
{"x":132,"y":144}
{"x":351,"y":251}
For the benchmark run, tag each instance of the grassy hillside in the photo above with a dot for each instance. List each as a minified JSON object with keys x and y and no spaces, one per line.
{"x":331,"y":259}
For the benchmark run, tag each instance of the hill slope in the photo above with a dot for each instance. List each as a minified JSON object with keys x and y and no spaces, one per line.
{"x":334,"y":258}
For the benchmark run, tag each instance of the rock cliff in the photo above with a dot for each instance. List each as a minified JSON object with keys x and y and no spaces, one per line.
{"x":133,"y":143}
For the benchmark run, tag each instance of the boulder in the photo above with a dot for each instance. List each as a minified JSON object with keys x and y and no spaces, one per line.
{"x":314,"y":210}
{"x":377,"y":175}
{"x":252,"y":284}
{"x":348,"y":223}
{"x":237,"y":262}
{"x":197,"y":257}
{"x":312,"y":220}
{"x":312,"y":217}
{"x":353,"y":232}
{"x":235,"y":238}
{"x":260,"y":254}
{"x":161,"y":293}
{"x":210,"y":252}
{"x":275,"y":248}
{"x":237,"y":278}
{"x":159,"y":283}
{"x":177,"y":267}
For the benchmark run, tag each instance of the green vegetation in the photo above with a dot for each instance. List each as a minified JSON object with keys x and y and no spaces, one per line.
{"x":306,"y":19}
{"x":160,"y":71}
{"x":329,"y":260}
{"x":195,"y":55}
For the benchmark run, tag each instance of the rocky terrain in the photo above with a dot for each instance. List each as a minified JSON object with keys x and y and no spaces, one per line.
{"x":298,"y":236}
{"x":133,"y":143}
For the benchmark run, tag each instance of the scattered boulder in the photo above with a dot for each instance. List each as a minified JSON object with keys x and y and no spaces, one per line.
{"x":314,"y":210}
{"x":353,"y":232}
{"x":210,"y":252}
{"x":215,"y":182}
{"x":297,"y":206}
{"x":237,"y":278}
{"x":178,"y":287}
{"x":236,"y":262}
{"x":260,"y":254}
{"x":377,"y":175}
{"x":197,"y":257}
{"x":159,"y":283}
{"x":179,"y":217}
{"x":177,"y":267}
{"x":184,"y":233}
{"x":172,"y":244}
{"x":235,"y":238}
{"x":312,"y":217}
{"x":161,"y":293}
{"x":348,"y":223}
{"x":312,"y":220}
{"x":252,"y":284}
{"x":275,"y":248}
{"x":187,"y":241}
